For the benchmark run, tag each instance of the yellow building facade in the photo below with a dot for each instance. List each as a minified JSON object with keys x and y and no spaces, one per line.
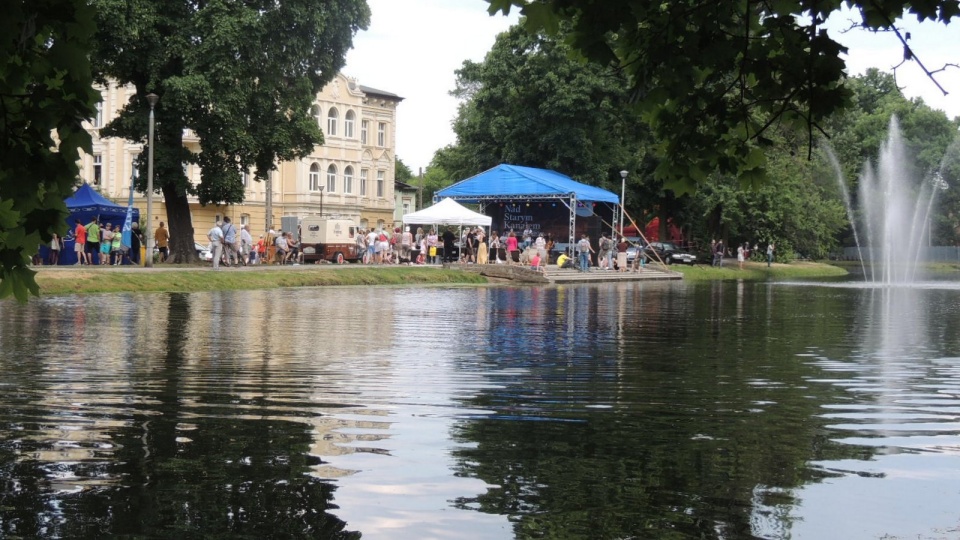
{"x":350,"y":176}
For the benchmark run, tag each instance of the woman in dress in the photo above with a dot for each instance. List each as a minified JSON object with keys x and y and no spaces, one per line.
{"x":483,"y":255}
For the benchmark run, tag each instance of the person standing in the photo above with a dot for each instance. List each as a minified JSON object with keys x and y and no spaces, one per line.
{"x":161,"y":236}
{"x":215,"y":235}
{"x":513,"y":248}
{"x":449,"y":243}
{"x":718,"y":255}
{"x":116,"y":247}
{"x":622,"y":254}
{"x":55,"y":250}
{"x":135,"y":243}
{"x":371,"y":246}
{"x":740,"y":256}
{"x":770,"y":249}
{"x":80,"y":242}
{"x":229,"y":242}
{"x":406,"y":245}
{"x":283,"y":250}
{"x":585,"y":249}
{"x":93,"y":241}
{"x":246,"y":246}
{"x":433,"y":242}
{"x":106,"y":241}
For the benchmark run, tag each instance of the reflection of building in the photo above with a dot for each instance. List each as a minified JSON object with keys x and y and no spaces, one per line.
{"x":350,"y":175}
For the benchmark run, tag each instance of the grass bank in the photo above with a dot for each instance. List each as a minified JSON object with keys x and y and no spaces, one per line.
{"x":78,"y":280}
{"x":754,"y":271}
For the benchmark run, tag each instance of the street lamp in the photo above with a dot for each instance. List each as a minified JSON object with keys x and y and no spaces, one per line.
{"x":623,"y":197}
{"x":321,"y":201}
{"x":152,"y":99}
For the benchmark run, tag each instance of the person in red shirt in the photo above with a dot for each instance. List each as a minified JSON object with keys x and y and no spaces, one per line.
{"x":80,"y":241}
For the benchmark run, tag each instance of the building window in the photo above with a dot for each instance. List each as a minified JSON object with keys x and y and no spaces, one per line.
{"x":332,"y":117}
{"x":97,"y":169}
{"x":406,"y":207}
{"x":245,"y":177}
{"x":314,"y":177}
{"x":315,"y":112}
{"x":363,"y":132}
{"x":348,"y":180}
{"x":381,"y":134}
{"x":331,"y":178}
{"x":98,"y":116}
{"x":244,"y":220}
{"x":363,"y":182}
{"x":348,"y":122}
{"x":380,"y":181}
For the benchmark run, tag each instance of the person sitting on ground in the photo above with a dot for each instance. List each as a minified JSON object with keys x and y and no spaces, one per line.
{"x":563,"y":261}
{"x":535,"y":262}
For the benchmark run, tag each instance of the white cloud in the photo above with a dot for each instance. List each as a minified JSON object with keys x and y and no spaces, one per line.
{"x":933,"y":44}
{"x":413,"y":47}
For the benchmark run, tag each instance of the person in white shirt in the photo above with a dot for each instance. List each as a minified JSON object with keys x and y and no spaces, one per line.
{"x":215,"y":235}
{"x":246,"y":245}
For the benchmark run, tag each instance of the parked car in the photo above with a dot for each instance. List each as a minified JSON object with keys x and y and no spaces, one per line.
{"x":669,"y":253}
{"x":203,"y":253}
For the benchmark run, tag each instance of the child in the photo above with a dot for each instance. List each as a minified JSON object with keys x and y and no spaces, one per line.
{"x":535,"y":261}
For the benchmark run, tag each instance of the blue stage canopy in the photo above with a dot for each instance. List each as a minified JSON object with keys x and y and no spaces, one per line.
{"x":515,"y":182}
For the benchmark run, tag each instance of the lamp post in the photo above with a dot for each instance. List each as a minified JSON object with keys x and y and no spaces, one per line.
{"x":152,"y":99}
{"x":321,"y":201}
{"x":623,"y":196}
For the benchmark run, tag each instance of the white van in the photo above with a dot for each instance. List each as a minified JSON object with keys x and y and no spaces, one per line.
{"x":328,"y":239}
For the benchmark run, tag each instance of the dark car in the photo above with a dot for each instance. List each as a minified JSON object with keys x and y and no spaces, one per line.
{"x":669,"y":253}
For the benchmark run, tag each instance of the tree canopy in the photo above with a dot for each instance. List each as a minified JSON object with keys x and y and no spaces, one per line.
{"x":530,"y":103}
{"x":45,"y":93}
{"x":713,"y":78}
{"x":240,"y":75}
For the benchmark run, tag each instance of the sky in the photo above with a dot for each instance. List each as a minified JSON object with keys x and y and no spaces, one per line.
{"x":413,"y":47}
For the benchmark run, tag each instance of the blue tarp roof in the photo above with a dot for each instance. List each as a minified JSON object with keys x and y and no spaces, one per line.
{"x":86,"y":196}
{"x":514,"y":181}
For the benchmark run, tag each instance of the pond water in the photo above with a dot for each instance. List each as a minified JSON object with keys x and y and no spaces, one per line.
{"x":645,"y":410}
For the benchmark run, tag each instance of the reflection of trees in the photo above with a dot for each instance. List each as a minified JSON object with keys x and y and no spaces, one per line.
{"x":704,"y":422}
{"x":171,"y":473}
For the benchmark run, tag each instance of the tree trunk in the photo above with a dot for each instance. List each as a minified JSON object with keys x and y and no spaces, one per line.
{"x":181,"y":226}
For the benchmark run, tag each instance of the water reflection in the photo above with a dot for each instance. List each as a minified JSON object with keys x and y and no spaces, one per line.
{"x":721,"y":410}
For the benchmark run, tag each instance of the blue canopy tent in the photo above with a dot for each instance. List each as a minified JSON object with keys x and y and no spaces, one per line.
{"x":86,"y":205}
{"x":505,"y":183}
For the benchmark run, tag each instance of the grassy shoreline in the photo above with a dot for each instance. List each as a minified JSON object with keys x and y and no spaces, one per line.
{"x":757,"y":271}
{"x":62,"y":280}
{"x":186,"y":278}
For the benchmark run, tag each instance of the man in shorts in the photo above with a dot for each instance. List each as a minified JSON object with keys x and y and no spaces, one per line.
{"x":80,"y":242}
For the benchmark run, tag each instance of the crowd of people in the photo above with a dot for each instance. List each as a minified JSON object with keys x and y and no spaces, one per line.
{"x":97,"y":243}
{"x":744,"y":252}
{"x":100,"y":243}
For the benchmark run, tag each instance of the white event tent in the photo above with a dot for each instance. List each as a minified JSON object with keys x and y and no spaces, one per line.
{"x":448,"y":212}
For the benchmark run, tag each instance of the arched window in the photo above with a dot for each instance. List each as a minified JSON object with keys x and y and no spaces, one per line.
{"x":314,"y":177}
{"x":332,"y":118}
{"x":348,"y":122}
{"x":315,"y":113}
{"x":348,"y":180}
{"x":331,"y":178}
